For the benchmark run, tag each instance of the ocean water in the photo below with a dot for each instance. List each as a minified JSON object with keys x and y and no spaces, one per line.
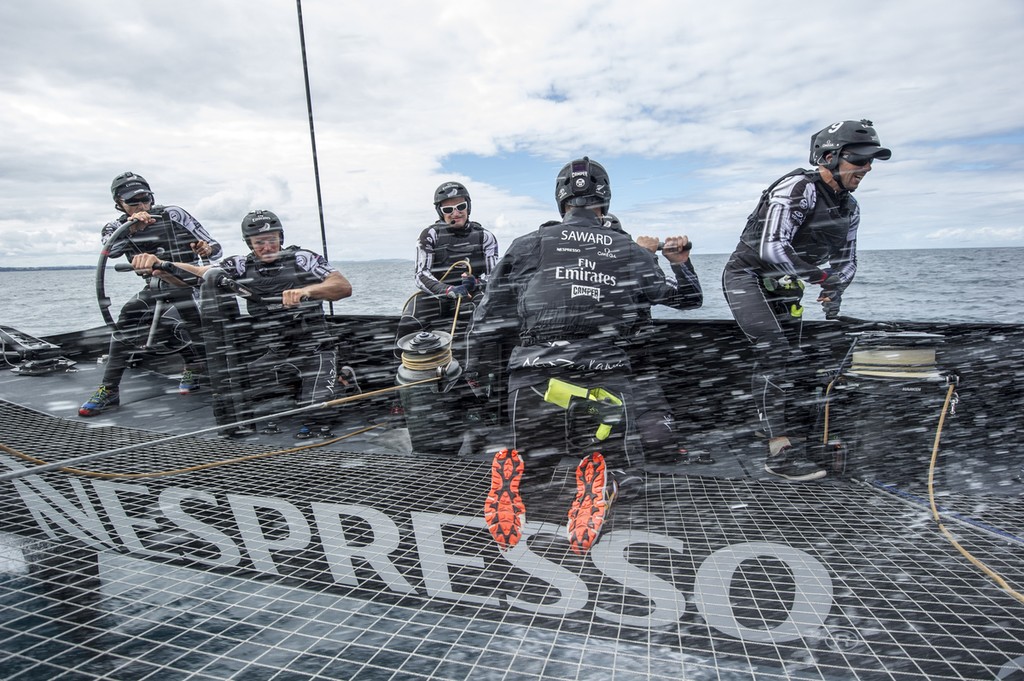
{"x":951,"y":285}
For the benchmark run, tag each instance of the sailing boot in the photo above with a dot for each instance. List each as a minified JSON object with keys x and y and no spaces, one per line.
{"x":789,"y":461}
{"x":504,"y":511}
{"x":102,"y":399}
{"x":595,"y":492}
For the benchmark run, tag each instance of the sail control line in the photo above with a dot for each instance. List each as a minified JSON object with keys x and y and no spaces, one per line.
{"x":312,"y":140}
{"x":425,"y":353}
{"x":105,"y":475}
{"x":937,"y":518}
{"x":901,"y":363}
{"x":74,"y":461}
{"x":434,"y":416}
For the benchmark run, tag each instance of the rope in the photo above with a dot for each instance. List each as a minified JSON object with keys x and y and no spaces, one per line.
{"x":997,"y":578}
{"x":828,"y":391}
{"x":444,"y":358}
{"x":188,"y":469}
{"x":429,"y":362}
{"x":11,"y":475}
{"x":3,"y":353}
{"x":936,"y":516}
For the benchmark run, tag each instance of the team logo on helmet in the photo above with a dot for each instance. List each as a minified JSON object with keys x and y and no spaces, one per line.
{"x":260,"y":221}
{"x":451,"y":190}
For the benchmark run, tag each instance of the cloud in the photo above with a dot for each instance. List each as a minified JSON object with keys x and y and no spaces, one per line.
{"x":695,"y":108}
{"x":971,"y":235}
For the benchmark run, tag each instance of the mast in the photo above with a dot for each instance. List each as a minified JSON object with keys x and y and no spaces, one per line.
{"x":312,"y":139}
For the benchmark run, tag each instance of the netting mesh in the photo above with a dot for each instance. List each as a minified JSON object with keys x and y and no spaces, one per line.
{"x":329,"y":563}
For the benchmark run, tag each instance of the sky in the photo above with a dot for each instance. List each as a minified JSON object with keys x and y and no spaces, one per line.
{"x":692,"y":107}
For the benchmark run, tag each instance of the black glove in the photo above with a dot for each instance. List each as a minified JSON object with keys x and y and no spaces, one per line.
{"x":470,"y":282}
{"x":480,"y":391}
{"x":829,"y":281}
{"x":460,"y":291}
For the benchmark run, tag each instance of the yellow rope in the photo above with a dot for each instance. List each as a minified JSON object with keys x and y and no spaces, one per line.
{"x":342,"y":400}
{"x":828,"y":390}
{"x":429,"y":362}
{"x":998,"y":579}
{"x":443,"y":358}
{"x":188,"y":469}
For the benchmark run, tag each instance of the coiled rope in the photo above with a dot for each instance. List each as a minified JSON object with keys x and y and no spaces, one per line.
{"x":442,"y":358}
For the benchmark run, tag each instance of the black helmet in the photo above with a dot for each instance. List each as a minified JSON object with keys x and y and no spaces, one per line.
{"x":856,"y":136}
{"x":611,"y":222}
{"x":258,"y":222}
{"x":582,"y":183}
{"x":451,"y":190}
{"x":128,"y":184}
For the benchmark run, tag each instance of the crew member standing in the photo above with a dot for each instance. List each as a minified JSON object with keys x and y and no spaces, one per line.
{"x":803,"y":231}
{"x":144,"y":228}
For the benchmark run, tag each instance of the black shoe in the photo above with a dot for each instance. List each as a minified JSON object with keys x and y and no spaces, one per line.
{"x":698,"y":456}
{"x":629,"y":484}
{"x":791,"y":464}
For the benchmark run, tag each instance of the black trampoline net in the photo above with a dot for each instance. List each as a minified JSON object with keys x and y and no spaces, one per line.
{"x":166,"y":562}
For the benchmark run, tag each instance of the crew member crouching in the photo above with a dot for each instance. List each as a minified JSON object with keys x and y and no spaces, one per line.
{"x":292,"y":335}
{"x":566,"y":295}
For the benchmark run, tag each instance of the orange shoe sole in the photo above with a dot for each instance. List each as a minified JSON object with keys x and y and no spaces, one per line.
{"x":504,"y":511}
{"x":590,"y":507}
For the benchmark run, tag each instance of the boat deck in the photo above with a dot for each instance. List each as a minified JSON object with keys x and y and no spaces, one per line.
{"x":203,"y":556}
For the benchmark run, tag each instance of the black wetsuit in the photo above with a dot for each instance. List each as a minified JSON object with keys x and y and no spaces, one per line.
{"x":294,"y":342}
{"x":799,"y":225}
{"x":437,"y":249}
{"x":655,"y":421}
{"x":170,"y":238}
{"x":568,"y":296}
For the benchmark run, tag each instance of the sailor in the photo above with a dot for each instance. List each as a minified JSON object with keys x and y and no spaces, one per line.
{"x":292,"y":337}
{"x":440,"y":279}
{"x":172,"y":232}
{"x":655,"y":421}
{"x":802,"y":231}
{"x":565,"y":296}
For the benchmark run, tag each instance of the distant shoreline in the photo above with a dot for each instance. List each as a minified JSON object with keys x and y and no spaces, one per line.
{"x":43,"y":269}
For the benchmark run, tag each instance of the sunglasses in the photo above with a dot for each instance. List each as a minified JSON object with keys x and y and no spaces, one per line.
{"x":855,"y":160}
{"x":141,"y":198}
{"x":268,"y":240}
{"x":448,"y":210}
